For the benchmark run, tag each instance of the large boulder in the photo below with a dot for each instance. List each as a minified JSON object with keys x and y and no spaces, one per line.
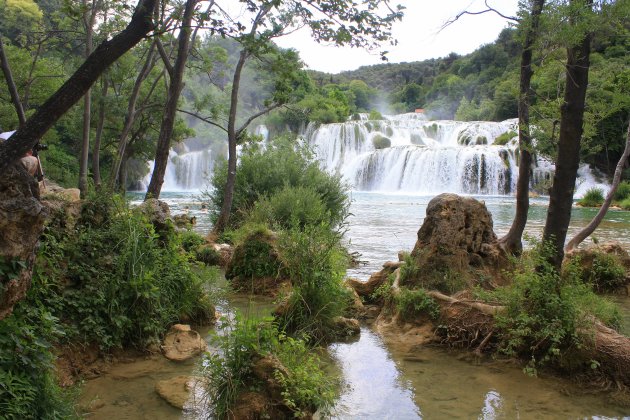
{"x":456,"y":238}
{"x":22,"y":217}
{"x":181,"y":343}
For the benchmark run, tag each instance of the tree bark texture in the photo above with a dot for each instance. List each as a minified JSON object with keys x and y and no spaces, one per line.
{"x":590,"y":228}
{"x":131,"y":116}
{"x":568,"y":158}
{"x":8,"y":76}
{"x":170,"y":110}
{"x":512,"y":242}
{"x":96,"y":151}
{"x":75,"y":87}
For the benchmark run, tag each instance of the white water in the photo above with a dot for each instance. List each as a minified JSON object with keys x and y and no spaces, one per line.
{"x":187,"y":171}
{"x":427,"y":157}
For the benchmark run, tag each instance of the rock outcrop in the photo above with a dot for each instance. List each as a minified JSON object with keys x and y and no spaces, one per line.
{"x":181,"y":343}
{"x":22,"y":217}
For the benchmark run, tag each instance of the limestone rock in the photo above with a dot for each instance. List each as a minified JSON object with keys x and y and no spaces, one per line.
{"x":457,"y":235}
{"x":366,"y":289}
{"x":158,"y":214}
{"x":345,"y":327}
{"x":265,"y":370}
{"x":176,"y":391}
{"x":181,"y":343}
{"x":22,"y":218}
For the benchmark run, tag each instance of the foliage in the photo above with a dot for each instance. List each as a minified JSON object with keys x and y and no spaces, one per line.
{"x":265,"y":171}
{"x":375,"y":116}
{"x":191,"y":240}
{"x":316,"y":263}
{"x":440,"y":278}
{"x":594,"y":197}
{"x":605,"y":273}
{"x":549,"y":315}
{"x":229,"y":372}
{"x":623,"y":191}
{"x":625,"y":204}
{"x":504,"y":138}
{"x":254,"y":254}
{"x":413,"y":303}
{"x":114,"y":281}
{"x":28,"y":388}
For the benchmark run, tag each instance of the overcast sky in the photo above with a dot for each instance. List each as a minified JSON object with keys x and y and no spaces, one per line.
{"x":418,"y":35}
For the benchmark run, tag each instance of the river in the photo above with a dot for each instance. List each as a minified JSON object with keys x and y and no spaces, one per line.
{"x":382,"y":381}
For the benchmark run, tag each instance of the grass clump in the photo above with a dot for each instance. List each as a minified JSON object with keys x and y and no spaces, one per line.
{"x":625,"y":204}
{"x":623,"y":191}
{"x":412,"y":304}
{"x":303,"y":385}
{"x":594,"y":197}
{"x":504,"y":138}
{"x":316,"y":263}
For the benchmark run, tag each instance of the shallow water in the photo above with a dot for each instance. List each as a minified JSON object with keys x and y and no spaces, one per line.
{"x":382,"y":381}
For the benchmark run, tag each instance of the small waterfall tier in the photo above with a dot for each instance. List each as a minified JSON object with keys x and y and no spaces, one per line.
{"x":407,"y":153}
{"x":186,"y":171}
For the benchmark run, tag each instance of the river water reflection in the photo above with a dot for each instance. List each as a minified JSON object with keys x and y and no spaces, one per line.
{"x":384,"y":382}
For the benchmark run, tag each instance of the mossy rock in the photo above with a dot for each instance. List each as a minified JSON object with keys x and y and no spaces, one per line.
{"x":416,"y":139}
{"x":381,"y":142}
{"x":464,"y":139}
{"x":482,"y":140}
{"x":256,"y":266}
{"x":504,"y":138}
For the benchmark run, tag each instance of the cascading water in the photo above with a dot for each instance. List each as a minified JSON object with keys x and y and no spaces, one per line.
{"x":187,"y":171}
{"x":407,"y":153}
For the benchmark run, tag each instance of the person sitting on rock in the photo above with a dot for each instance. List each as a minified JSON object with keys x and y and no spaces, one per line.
{"x":28,"y":161}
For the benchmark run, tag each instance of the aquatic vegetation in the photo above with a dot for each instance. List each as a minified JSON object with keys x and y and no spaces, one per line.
{"x":594,"y":197}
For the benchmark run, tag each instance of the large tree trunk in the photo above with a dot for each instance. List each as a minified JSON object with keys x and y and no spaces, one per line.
{"x":170,"y":110}
{"x":228,"y":195}
{"x":568,"y":158}
{"x":131,"y":115}
{"x":590,"y":228}
{"x":96,"y":151}
{"x":512,"y":242}
{"x":8,"y":76}
{"x":76,"y":86}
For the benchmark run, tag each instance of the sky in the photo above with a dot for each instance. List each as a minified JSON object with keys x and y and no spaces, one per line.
{"x":418,"y":34}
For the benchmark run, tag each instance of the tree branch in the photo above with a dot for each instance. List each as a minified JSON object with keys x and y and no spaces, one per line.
{"x":466,"y":12}
{"x":204,"y":119}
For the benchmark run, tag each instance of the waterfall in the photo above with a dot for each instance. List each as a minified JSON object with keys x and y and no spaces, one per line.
{"x":407,"y":153}
{"x":186,"y":171}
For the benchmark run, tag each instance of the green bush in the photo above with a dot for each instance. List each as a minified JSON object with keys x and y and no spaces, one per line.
{"x":290,"y":206}
{"x":625,"y":204}
{"x":413,"y":303}
{"x":28,"y":388}
{"x":623,"y":191}
{"x":316,"y":263}
{"x":605,"y":273}
{"x":504,"y":138}
{"x":381,"y":142}
{"x":375,"y":115}
{"x":549,"y":316}
{"x":594,"y":197}
{"x":264,"y":172}
{"x":305,"y":388}
{"x":208,"y":255}
{"x":191,"y":241}
{"x":118,"y":283}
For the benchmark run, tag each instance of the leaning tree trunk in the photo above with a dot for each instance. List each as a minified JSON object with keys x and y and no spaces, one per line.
{"x":21,"y":214}
{"x":568,"y":158}
{"x":590,"y":228}
{"x":75,"y":87}
{"x":512,"y":242}
{"x":8,"y":76}
{"x":170,"y":110}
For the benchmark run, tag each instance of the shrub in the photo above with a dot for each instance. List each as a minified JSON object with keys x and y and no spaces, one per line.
{"x":413,"y":303}
{"x":381,"y":142}
{"x":316,"y":264}
{"x":264,"y":172}
{"x":118,"y":283}
{"x":548,"y":315}
{"x":305,"y":388}
{"x":290,"y":206}
{"x":191,"y":240}
{"x":504,"y":138}
{"x":623,"y":191}
{"x":594,"y":197}
{"x":625,"y":204}
{"x":208,"y":255}
{"x":375,"y":115}
{"x":605,"y":273}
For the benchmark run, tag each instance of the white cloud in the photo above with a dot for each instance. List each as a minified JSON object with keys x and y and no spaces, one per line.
{"x":419,"y":36}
